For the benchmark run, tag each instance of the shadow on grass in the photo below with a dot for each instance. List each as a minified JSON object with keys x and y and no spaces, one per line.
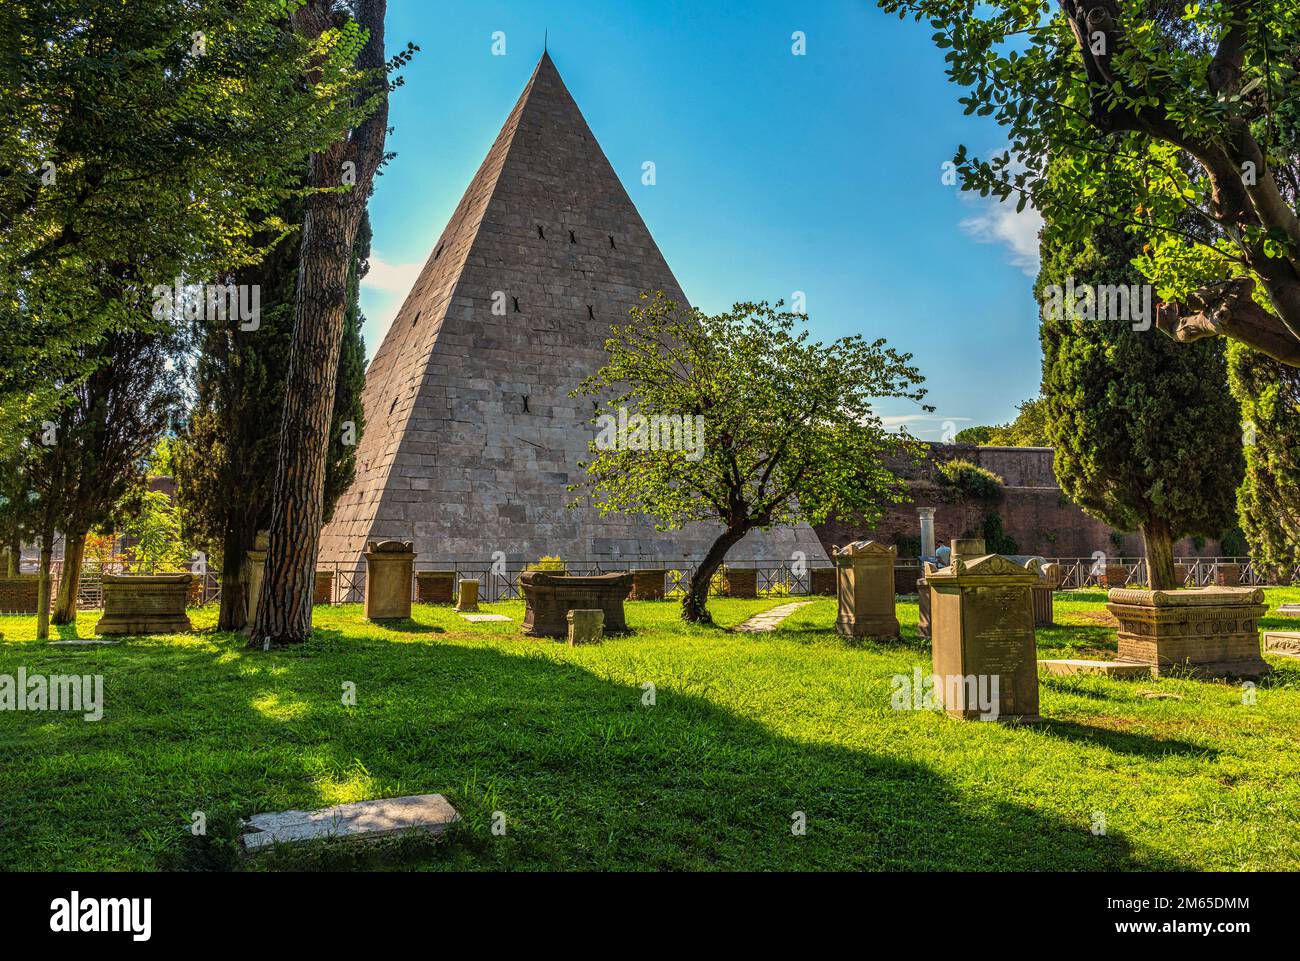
{"x":585,"y":775}
{"x":1123,"y":742}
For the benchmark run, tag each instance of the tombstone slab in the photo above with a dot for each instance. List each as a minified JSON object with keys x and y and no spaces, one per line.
{"x":1282,"y":643}
{"x":982,"y":634}
{"x":1208,"y":632}
{"x":145,"y":604}
{"x":467,"y":599}
{"x":1289,"y":610}
{"x":865,"y":585}
{"x":84,"y":642}
{"x":549,"y":597}
{"x":389,"y":567}
{"x":429,"y":813}
{"x":484,"y":618}
{"x":1072,"y":666}
{"x":585,"y":627}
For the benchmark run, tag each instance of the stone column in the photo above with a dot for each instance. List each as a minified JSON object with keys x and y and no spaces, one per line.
{"x":389,"y":569}
{"x":467,"y":599}
{"x":865,"y":585}
{"x":982,"y":629}
{"x":927,"y":530}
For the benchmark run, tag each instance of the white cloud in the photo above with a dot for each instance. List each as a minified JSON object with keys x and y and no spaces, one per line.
{"x":903,"y":420}
{"x":998,"y":223}
{"x":391,"y":278}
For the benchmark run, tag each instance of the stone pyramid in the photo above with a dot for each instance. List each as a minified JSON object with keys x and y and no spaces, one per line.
{"x":470,"y":434}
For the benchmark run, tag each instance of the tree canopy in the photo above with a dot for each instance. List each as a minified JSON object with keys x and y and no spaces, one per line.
{"x":765,"y":427}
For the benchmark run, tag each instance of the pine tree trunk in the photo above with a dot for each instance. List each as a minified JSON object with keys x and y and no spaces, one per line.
{"x":695,"y":604}
{"x":15,"y":551}
{"x":1158,"y":540}
{"x":330,"y":225}
{"x":43,"y":588}
{"x":65,"y":605}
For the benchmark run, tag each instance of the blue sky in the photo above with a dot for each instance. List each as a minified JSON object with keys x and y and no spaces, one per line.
{"x":819,"y":173}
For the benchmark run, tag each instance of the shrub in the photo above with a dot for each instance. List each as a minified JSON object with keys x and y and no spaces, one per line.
{"x":970,"y":480}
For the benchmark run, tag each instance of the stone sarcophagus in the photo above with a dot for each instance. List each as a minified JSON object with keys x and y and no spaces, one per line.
{"x":145,"y":604}
{"x":1205,"y":632}
{"x":865,"y":585}
{"x":983,"y":647}
{"x":549,"y":597}
{"x":389,"y":567}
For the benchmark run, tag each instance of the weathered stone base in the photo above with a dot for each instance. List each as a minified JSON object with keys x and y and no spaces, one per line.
{"x":1282,"y":643}
{"x":550,"y":597}
{"x":1073,"y":666}
{"x":430,"y":813}
{"x":145,"y":604}
{"x":1208,"y":632}
{"x":876,"y":625}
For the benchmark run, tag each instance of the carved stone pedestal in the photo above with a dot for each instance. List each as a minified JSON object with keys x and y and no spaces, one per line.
{"x":145,"y":604}
{"x":389,"y":566}
{"x":865,"y":585}
{"x":549,"y":598}
{"x":1206,"y":632}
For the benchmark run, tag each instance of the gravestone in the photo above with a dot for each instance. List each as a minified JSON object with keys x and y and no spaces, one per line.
{"x":585,"y":627}
{"x":254,"y":570}
{"x":435,"y":587}
{"x":467,"y":599}
{"x":389,"y":567}
{"x":549,"y":597}
{"x":865,"y":586}
{"x":1207,"y":631}
{"x":982,"y":634}
{"x":429,"y":813}
{"x":1283,"y":643}
{"x":145,"y":604}
{"x":648,"y":585}
{"x":1289,"y":610}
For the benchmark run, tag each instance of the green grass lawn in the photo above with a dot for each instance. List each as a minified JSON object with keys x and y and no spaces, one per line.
{"x":745,"y":731}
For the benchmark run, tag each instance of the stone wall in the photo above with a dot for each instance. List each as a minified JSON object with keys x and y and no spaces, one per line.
{"x":1035,"y":511}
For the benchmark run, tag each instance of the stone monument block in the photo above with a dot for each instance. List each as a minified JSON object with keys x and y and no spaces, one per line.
{"x":982,"y":637}
{"x":389,"y":568}
{"x":549,"y":597}
{"x":467,"y":598}
{"x":145,"y":604}
{"x":865,"y":585}
{"x":585,"y":627}
{"x":435,"y":587}
{"x":1206,"y":631}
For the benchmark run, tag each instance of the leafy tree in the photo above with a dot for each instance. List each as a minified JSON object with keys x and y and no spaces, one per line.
{"x":974,"y":435}
{"x":772,"y":429}
{"x":1029,"y":429}
{"x":1268,"y":503}
{"x":1146,"y":434}
{"x":340,"y":177}
{"x":155,"y":544}
{"x":226,"y":454}
{"x":1188,"y":109}
{"x":141,"y":142}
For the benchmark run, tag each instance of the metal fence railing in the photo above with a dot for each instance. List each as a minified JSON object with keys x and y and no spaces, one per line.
{"x":500,"y":582}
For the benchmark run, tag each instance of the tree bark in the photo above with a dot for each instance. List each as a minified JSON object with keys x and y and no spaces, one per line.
{"x":1158,"y":540}
{"x":43,"y":588}
{"x":65,"y":606}
{"x":695,"y":604}
{"x":330,"y":225}
{"x":235,"y":545}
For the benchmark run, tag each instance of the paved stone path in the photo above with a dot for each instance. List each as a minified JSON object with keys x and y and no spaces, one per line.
{"x":768,"y":620}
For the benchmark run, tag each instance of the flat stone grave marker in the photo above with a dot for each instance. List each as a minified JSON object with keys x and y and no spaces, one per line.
{"x":84,"y":642}
{"x":484,"y":618}
{"x":1289,"y":610}
{"x":359,"y":821}
{"x":1071,"y":666}
{"x":1285,"y":643}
